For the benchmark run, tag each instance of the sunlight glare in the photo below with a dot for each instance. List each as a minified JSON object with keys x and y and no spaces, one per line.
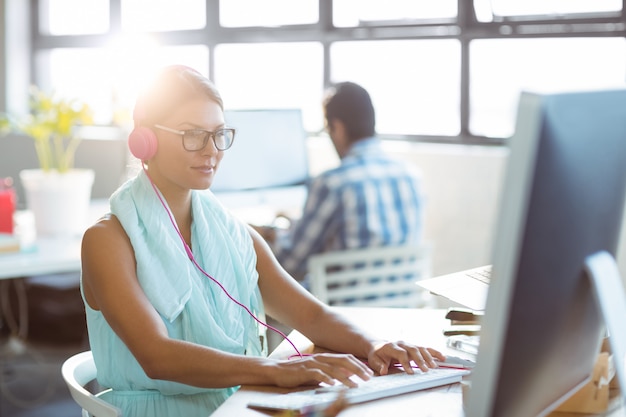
{"x":133,"y":61}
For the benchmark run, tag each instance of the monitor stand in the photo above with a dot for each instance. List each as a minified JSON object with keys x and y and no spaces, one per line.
{"x":609,"y":291}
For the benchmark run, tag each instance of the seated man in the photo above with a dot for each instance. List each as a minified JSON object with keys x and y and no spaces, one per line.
{"x":370,"y":199}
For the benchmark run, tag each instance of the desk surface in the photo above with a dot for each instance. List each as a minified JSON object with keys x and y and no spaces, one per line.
{"x":260,"y":207}
{"x":49,"y":255}
{"x":420,"y":326}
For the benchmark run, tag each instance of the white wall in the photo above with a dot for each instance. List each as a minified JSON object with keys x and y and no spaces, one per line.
{"x":462,"y":187}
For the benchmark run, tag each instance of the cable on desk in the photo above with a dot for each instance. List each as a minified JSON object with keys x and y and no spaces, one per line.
{"x":16,"y":344}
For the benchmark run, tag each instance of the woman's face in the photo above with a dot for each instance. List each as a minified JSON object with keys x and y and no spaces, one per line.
{"x":182,"y":168}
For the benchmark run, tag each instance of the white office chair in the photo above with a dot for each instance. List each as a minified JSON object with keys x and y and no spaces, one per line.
{"x":77,"y":372}
{"x":372,"y":277}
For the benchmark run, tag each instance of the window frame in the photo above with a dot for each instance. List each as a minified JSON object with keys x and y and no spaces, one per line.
{"x":464,"y":29}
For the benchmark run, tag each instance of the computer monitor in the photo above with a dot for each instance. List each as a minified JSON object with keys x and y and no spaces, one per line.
{"x":562,"y":201}
{"x":270,"y":150}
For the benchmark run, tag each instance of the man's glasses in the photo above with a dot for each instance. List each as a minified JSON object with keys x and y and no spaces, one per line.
{"x":196,"y":139}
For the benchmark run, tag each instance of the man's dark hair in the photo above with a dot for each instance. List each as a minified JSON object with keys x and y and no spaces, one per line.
{"x":351,"y":104}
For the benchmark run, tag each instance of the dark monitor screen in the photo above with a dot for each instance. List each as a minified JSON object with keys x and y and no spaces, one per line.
{"x":562,"y":201}
{"x":269,"y":150}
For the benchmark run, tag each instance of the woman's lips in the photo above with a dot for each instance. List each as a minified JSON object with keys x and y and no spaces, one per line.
{"x":206,"y":169}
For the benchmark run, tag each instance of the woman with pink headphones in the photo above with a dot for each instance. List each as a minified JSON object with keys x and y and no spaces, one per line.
{"x":176,"y":289}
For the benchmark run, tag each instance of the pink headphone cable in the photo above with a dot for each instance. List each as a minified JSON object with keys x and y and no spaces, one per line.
{"x":193,"y":260}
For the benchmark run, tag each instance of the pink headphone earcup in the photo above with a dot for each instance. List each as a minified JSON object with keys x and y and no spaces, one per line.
{"x":142,"y":143}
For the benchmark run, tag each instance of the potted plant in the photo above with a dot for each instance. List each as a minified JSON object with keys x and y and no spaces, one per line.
{"x":57,"y":193}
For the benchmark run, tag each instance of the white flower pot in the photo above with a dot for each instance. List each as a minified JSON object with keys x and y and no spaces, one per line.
{"x":59,"y":202}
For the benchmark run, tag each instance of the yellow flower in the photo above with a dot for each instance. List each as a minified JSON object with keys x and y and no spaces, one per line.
{"x":51,"y":123}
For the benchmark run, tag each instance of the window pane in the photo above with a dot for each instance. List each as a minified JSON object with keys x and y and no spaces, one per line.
{"x":501,"y":68}
{"x":488,"y":10}
{"x":73,"y":17}
{"x":238,"y":13}
{"x":94,"y":75}
{"x":272,"y":75}
{"x":415,"y":85}
{"x":79,"y":73}
{"x":141,"y":62}
{"x":349,"y":13}
{"x":162,"y":15}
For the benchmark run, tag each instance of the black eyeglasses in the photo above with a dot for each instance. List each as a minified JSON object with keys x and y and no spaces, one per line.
{"x":196,"y":139}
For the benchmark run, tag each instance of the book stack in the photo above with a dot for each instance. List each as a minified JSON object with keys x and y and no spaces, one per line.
{"x":9,"y":243}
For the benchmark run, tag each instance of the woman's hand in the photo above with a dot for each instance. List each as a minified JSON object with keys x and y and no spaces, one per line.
{"x":323,"y":367}
{"x":387,"y":354}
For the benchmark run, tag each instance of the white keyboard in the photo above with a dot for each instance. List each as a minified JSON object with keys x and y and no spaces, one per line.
{"x":377,"y":387}
{"x":482,"y":274}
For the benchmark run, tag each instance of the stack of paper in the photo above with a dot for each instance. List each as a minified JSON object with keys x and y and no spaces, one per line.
{"x":9,"y":243}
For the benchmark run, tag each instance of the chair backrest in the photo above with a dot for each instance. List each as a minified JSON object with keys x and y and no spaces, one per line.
{"x":372,"y":277}
{"x":78,"y":371}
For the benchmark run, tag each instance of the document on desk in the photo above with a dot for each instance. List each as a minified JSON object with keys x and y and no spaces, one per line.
{"x":468,"y":287}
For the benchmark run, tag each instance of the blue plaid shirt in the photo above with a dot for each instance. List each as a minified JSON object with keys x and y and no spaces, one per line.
{"x":371,"y":199}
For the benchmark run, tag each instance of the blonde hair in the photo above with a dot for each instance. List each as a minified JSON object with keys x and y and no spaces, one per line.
{"x":171,"y":87}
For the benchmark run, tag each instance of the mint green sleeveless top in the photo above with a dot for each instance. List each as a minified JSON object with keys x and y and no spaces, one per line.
{"x":193,"y":308}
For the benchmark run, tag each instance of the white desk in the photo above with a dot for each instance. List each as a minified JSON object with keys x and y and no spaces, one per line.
{"x":420,"y":326}
{"x":49,"y":255}
{"x":260,"y":207}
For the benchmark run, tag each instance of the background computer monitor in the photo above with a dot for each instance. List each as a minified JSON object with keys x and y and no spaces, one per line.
{"x":562,"y":200}
{"x":270,"y":150}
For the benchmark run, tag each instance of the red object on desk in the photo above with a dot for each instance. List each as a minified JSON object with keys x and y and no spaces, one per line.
{"x":7,"y":205}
